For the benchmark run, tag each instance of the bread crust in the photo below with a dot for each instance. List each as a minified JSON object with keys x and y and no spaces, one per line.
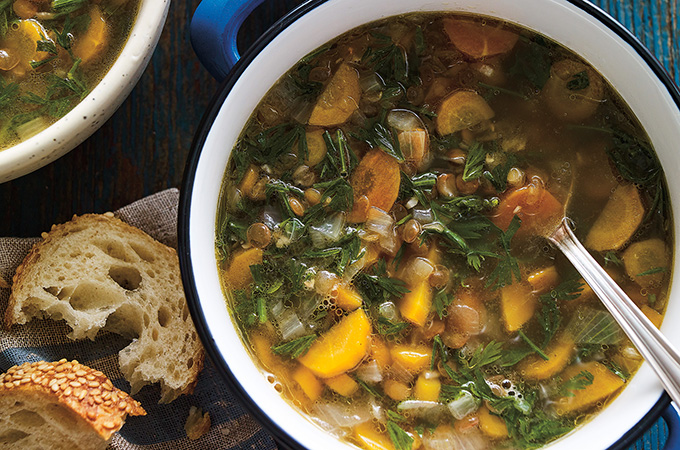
{"x":98,"y":272}
{"x":84,"y":394}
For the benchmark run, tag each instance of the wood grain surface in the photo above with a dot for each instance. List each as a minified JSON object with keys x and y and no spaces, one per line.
{"x":143,"y":147}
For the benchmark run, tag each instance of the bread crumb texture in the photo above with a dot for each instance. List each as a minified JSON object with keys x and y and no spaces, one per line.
{"x":197,"y":423}
{"x":96,"y":272}
{"x":60,"y":405}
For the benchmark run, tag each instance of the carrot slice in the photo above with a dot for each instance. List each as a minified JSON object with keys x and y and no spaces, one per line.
{"x":341,"y":348}
{"x":338,"y":100}
{"x":492,"y":426}
{"x":93,"y":44}
{"x":518,"y":304}
{"x":618,"y":221}
{"x":415,"y":305}
{"x":647,"y":262}
{"x":604,"y":383}
{"x":534,"y":205}
{"x":577,"y":103}
{"x":559,"y":354}
{"x":238,"y":275}
{"x":461,"y":110}
{"x":377,"y":178}
{"x":478,"y":40}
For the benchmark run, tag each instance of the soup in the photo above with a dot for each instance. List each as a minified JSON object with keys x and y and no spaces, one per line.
{"x":381,"y":235}
{"x":52,"y":53}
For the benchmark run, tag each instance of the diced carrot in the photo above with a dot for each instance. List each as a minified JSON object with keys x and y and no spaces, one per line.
{"x":338,"y":100}
{"x":647,"y":262}
{"x":653,"y":315}
{"x":478,"y":40}
{"x":413,"y":358}
{"x":414,"y":145}
{"x":340,"y":348}
{"x":427,"y":387}
{"x":461,"y":110}
{"x":518,"y":304}
{"x":491,"y":425}
{"x":310,"y":384}
{"x":262,"y":346}
{"x":237,"y":275}
{"x":370,"y":438}
{"x":377,"y":177}
{"x":605,"y":383}
{"x":543,"y":280}
{"x":415,"y":305}
{"x":20,"y":41}
{"x":618,"y":221}
{"x":380,"y":352}
{"x":91,"y":46}
{"x":250,"y":178}
{"x":396,"y":390}
{"x":572,"y":105}
{"x":560,"y":352}
{"x":348,"y":298}
{"x":342,"y":384}
{"x":535,"y":206}
{"x":316,"y":146}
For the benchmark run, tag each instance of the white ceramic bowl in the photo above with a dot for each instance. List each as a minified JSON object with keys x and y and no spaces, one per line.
{"x":95,"y":109}
{"x":576,"y":24}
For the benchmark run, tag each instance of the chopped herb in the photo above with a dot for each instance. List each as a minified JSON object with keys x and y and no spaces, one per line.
{"x":579,"y":81}
{"x":576,"y":383}
{"x":370,"y":389}
{"x":8,"y":93}
{"x":485,"y":355}
{"x":652,"y":271}
{"x":388,"y":328}
{"x":378,"y":287}
{"x":386,"y":140}
{"x":474,"y":162}
{"x":507,"y":264}
{"x":68,"y":6}
{"x":498,"y":176}
{"x":438,"y":348}
{"x":532,"y":61}
{"x":616,"y":370}
{"x":441,"y":302}
{"x":513,"y":356}
{"x":634,"y":159}
{"x":400,"y":438}
{"x":533,"y":346}
{"x":612,"y":257}
{"x":296,"y":347}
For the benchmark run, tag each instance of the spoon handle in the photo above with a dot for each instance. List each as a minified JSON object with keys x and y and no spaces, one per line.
{"x":651,"y":344}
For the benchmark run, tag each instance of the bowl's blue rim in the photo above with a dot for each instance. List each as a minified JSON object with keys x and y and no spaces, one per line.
{"x":283,"y":439}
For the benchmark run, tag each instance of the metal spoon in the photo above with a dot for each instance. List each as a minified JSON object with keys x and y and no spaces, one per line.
{"x":651,"y":344}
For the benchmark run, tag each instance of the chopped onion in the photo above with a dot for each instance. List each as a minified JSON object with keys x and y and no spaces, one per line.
{"x":424,"y":216}
{"x":411,"y":203}
{"x":462,"y":406}
{"x":377,"y":411}
{"x":404,"y":120}
{"x":416,"y":270}
{"x":390,"y":243}
{"x":308,"y":306}
{"x":271,"y":216}
{"x":341,"y":415}
{"x":372,"y":85}
{"x":30,"y":128}
{"x":430,"y":411}
{"x":290,"y":326}
{"x":595,"y":326}
{"x":370,"y":372}
{"x":446,"y":438}
{"x":435,"y":226}
{"x":389,"y":311}
{"x":325,"y":282}
{"x":329,"y":231}
{"x":379,"y":221}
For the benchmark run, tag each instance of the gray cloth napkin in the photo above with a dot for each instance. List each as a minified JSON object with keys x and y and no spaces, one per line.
{"x":163,"y":426}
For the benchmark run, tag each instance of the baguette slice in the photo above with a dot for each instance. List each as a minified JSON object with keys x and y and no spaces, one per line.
{"x":60,"y":406}
{"x":97,"y":272}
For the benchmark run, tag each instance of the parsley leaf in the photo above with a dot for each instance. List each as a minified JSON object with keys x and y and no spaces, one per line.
{"x":400,"y":438}
{"x":507,"y":264}
{"x":441,"y":301}
{"x":579,"y":81}
{"x":576,"y":383}
{"x":474,"y":162}
{"x":296,"y":347}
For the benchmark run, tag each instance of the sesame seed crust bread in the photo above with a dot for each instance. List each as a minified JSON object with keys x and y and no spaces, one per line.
{"x":60,"y":405}
{"x":97,"y":272}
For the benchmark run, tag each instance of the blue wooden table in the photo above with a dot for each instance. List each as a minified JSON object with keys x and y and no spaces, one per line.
{"x":142,"y":149}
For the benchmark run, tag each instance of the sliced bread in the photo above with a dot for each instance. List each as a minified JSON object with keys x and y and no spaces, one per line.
{"x":60,"y":406}
{"x":97,"y":272}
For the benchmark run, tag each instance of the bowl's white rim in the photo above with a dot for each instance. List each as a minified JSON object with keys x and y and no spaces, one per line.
{"x":88,"y":115}
{"x":197,"y":217}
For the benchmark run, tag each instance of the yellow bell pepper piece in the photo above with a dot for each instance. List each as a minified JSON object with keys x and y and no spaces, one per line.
{"x":413,"y":358}
{"x":491,"y":425}
{"x":427,"y":388}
